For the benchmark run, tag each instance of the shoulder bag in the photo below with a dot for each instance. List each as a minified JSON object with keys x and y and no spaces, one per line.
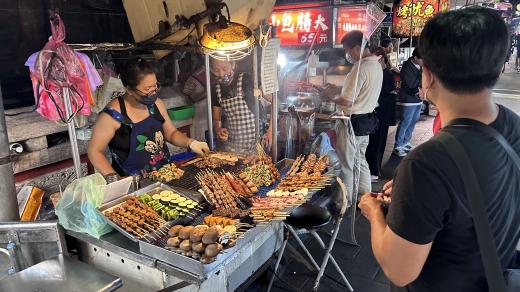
{"x":499,"y":279}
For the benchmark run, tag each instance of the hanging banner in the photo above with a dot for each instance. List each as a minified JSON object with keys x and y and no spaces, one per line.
{"x":349,"y":19}
{"x":269,"y":66}
{"x":299,"y":27}
{"x":374,"y":18}
{"x":410,"y":16}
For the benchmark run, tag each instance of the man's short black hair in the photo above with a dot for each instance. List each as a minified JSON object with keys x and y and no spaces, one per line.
{"x":465,"y":48}
{"x":352,"y":39}
{"x":385,"y":43}
{"x":416,"y":53}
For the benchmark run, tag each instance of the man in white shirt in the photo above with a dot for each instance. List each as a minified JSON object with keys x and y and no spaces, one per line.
{"x":358,"y":98}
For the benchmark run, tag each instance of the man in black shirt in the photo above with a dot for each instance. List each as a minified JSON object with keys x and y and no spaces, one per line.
{"x":427,"y":241}
{"x":409,"y":102}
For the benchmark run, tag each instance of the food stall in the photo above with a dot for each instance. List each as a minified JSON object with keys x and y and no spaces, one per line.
{"x":199,"y":224}
{"x":212,"y":242}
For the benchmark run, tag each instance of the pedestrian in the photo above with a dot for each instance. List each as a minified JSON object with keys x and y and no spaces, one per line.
{"x":357,"y":99}
{"x":409,"y":103}
{"x":388,"y":47}
{"x":427,"y":241}
{"x":385,"y":112}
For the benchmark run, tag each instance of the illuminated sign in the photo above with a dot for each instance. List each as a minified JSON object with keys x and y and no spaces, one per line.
{"x":301,"y":26}
{"x":349,"y":19}
{"x":410,"y":16}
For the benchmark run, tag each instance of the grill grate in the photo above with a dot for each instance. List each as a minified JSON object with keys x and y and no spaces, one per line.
{"x":188,"y":180}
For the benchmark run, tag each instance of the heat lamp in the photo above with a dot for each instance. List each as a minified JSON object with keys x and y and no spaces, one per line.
{"x":225,"y":40}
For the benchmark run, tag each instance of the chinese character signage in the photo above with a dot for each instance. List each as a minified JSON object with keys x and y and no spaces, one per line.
{"x":349,"y":19}
{"x":410,"y":16}
{"x":300,"y":27}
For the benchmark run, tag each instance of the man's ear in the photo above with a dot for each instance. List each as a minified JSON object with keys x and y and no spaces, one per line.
{"x":427,"y":78}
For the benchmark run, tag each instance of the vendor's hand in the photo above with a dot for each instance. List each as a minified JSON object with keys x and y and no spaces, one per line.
{"x":198,"y":147}
{"x":251,"y":159}
{"x":222,"y":134}
{"x":330,"y":91}
{"x":387,"y":188}
{"x":268,"y":138}
{"x":370,"y":206}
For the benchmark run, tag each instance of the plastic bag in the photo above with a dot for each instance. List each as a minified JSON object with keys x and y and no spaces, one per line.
{"x":112,"y":87}
{"x":77,"y":208}
{"x":57,"y":66}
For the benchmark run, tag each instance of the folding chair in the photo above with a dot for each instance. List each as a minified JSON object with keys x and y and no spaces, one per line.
{"x":310,"y":218}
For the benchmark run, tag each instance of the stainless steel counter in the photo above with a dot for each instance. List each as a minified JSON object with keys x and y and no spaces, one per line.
{"x":117,"y":243}
{"x":117,"y":255}
{"x":61,"y":273}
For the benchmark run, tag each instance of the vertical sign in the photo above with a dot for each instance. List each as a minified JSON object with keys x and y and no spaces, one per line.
{"x":269,"y":66}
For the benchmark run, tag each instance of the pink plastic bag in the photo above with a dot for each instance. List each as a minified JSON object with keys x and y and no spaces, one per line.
{"x":57,"y":66}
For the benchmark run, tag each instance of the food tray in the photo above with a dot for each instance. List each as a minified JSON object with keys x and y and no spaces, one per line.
{"x":283,"y":167}
{"x":156,"y":250}
{"x":150,"y":188}
{"x":188,"y":180}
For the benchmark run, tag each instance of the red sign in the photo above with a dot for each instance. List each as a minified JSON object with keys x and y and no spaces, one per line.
{"x":300,"y":27}
{"x":410,"y":16}
{"x":349,"y":19}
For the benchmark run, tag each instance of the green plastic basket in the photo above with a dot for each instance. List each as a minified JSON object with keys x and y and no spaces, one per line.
{"x":182,"y":113}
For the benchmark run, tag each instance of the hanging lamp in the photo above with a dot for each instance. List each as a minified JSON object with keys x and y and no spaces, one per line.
{"x":226,"y":40}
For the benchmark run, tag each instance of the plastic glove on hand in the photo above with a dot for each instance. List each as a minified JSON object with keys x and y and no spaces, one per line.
{"x":198,"y":147}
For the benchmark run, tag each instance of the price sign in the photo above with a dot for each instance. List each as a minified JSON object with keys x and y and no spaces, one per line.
{"x":301,"y":26}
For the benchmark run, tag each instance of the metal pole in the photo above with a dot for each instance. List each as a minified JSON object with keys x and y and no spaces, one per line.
{"x":72,"y":133}
{"x":274,"y":125}
{"x":257,"y":102}
{"x":9,"y":206}
{"x":411,"y":33}
{"x":210,"y":113}
{"x":398,"y":49}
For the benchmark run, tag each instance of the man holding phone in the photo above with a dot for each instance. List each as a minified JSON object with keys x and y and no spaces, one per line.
{"x":356,"y":99}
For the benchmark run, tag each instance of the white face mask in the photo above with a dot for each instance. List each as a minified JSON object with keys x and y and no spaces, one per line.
{"x":349,"y":58}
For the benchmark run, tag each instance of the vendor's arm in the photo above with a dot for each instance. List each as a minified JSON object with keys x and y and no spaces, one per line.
{"x":171,"y":133}
{"x":402,"y":241}
{"x":104,"y":130}
{"x":220,"y":132}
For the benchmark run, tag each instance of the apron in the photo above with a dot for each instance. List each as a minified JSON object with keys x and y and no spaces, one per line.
{"x":148,"y":150}
{"x":240,"y":121}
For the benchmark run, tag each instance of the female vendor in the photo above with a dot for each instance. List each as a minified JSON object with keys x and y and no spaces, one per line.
{"x":135,"y":127}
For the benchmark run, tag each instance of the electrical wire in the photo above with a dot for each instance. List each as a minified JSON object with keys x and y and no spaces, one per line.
{"x":185,"y":37}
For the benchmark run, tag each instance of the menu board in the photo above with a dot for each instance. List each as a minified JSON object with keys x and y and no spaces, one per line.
{"x":349,"y":19}
{"x":300,"y":27}
{"x":269,"y":66}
